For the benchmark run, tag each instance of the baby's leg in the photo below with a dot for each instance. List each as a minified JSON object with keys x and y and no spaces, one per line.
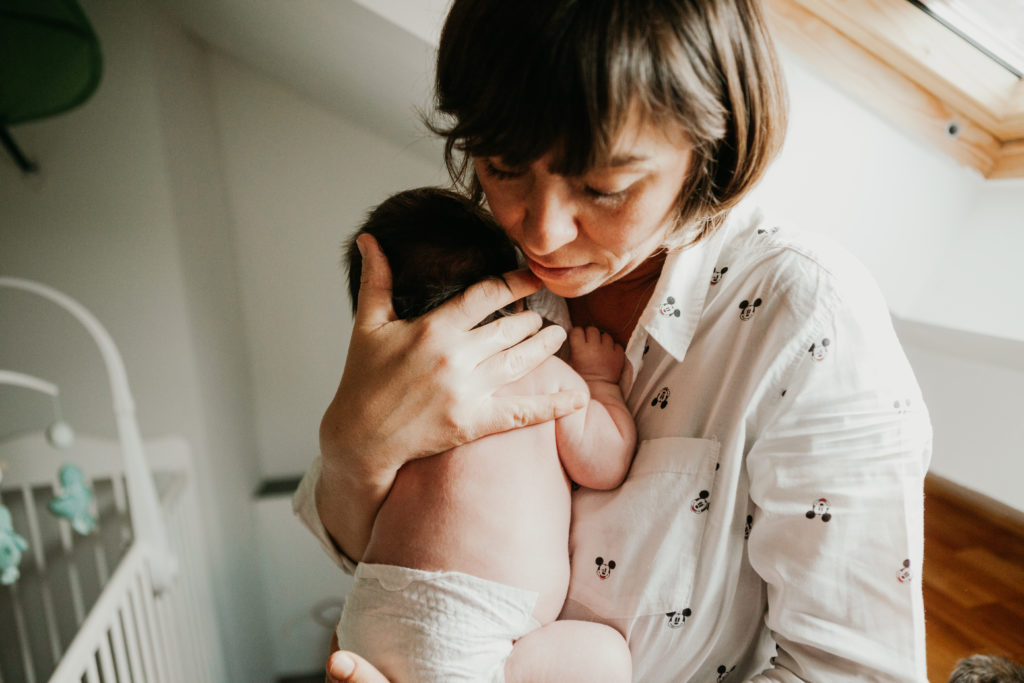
{"x":570,"y":651}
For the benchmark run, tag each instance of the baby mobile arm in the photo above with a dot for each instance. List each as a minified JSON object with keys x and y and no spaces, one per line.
{"x":144,"y":506}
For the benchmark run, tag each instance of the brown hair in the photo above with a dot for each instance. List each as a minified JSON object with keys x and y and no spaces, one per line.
{"x":519,"y":79}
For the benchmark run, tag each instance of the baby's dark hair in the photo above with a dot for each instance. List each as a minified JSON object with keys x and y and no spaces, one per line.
{"x":437,"y":243}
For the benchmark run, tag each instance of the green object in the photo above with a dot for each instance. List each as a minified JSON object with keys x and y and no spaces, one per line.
{"x":50,"y":60}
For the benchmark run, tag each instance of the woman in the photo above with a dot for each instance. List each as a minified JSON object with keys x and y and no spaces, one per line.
{"x":770,"y":528}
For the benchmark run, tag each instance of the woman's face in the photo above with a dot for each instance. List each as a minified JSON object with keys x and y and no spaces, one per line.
{"x":579,"y":233}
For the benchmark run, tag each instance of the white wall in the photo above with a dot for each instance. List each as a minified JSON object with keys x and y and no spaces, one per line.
{"x":128,"y":217}
{"x":974,"y":387}
{"x":977,"y":278}
{"x":300,"y":180}
{"x":846,"y":172}
{"x":229,"y":472}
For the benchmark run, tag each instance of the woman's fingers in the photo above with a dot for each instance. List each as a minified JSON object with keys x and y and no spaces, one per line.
{"x":512,"y":412}
{"x":348,"y":667}
{"x":506,"y":332}
{"x":514,"y":362}
{"x":466,"y":310}
{"x":374,"y":307}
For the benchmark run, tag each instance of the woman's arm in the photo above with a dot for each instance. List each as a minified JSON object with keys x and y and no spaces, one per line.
{"x":413,"y":388}
{"x":837,"y":535}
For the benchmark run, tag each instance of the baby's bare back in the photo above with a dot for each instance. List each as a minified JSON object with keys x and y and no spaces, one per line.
{"x":496,"y":508}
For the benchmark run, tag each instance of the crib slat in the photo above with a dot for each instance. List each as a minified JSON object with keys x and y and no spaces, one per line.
{"x":101,"y":564}
{"x":35,"y":535}
{"x":152,"y":623}
{"x":76,"y":589}
{"x":118,"y":640}
{"x":171,"y":650}
{"x":131,"y":640}
{"x":92,"y":675}
{"x":142,"y":629}
{"x":51,"y":620}
{"x":106,"y":661}
{"x":23,"y":638}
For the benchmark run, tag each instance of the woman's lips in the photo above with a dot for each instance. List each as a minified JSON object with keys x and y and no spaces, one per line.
{"x":551,"y":272}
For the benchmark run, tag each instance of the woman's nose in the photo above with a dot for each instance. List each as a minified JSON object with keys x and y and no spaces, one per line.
{"x":549,"y":221}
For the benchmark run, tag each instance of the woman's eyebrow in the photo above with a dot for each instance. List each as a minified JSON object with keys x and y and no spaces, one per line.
{"x":613,"y":162}
{"x":627,"y":159}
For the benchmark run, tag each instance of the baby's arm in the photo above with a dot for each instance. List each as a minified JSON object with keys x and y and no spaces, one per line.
{"x":596,"y":445}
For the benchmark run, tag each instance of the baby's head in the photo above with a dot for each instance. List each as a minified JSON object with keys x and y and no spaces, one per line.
{"x":437,"y":243}
{"x":987,"y":669}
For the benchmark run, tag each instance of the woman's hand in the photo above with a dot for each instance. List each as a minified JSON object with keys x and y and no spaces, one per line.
{"x":413,"y":388}
{"x":346,"y":667}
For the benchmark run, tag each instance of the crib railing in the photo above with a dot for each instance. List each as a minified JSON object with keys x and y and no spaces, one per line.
{"x":86,"y":608}
{"x":135,"y":634}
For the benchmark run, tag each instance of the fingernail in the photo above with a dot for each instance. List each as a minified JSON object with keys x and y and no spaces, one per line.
{"x":580,"y":400}
{"x":342,"y":665}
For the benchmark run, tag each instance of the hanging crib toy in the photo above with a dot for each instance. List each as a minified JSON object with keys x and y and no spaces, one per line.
{"x":75,"y":504}
{"x":11,"y":548}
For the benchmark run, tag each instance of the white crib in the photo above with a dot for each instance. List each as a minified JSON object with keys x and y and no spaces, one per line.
{"x":131,"y":601}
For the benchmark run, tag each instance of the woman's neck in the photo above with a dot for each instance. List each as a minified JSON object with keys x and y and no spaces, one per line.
{"x":615,"y":308}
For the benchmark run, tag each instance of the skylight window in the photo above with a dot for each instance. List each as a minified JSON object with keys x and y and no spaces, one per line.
{"x":996,"y":27}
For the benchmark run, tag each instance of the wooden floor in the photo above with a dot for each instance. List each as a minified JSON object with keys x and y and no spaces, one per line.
{"x":973,"y":578}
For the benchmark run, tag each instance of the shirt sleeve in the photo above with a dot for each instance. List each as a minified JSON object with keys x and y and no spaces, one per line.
{"x":304,"y":507}
{"x":836,"y":478}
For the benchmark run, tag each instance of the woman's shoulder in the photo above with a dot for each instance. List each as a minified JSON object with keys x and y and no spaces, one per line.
{"x":804,"y":268}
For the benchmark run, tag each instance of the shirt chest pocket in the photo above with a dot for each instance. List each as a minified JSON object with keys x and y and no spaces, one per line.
{"x":634,"y":550}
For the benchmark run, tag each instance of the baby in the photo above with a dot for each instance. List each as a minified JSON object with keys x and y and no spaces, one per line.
{"x":467,"y":565}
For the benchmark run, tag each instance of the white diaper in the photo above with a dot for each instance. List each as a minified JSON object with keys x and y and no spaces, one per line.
{"x":418,"y":626}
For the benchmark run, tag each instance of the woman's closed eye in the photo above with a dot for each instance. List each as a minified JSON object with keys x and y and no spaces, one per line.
{"x":604,"y":195}
{"x":501,"y":173}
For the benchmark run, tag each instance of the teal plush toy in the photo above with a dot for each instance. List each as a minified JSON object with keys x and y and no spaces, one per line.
{"x":11,"y":547}
{"x":74,"y":502}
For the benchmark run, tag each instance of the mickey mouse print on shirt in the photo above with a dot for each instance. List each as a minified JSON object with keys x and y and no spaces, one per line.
{"x":904,"y":575}
{"x":700,"y":503}
{"x":604,"y":569}
{"x":661,"y":398}
{"x":819,"y":349}
{"x":747,"y":308}
{"x":669,"y":309}
{"x":718,"y":274}
{"x":678,"y":618}
{"x":820,"y":507}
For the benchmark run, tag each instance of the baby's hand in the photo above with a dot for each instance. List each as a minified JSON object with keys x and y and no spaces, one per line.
{"x":595,"y":355}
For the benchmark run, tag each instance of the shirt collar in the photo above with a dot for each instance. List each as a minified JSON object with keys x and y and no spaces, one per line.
{"x":677,"y":304}
{"x":674,"y":310}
